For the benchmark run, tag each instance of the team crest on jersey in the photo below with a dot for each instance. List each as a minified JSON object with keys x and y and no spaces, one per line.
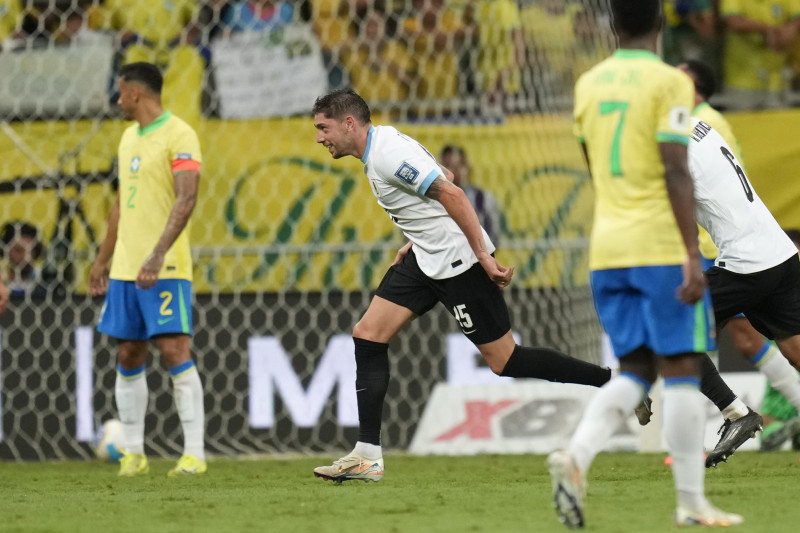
{"x":136,"y":162}
{"x":407,"y":173}
{"x":184,"y":155}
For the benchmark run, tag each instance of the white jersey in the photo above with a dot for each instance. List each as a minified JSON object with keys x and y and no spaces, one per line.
{"x":747,"y":235}
{"x":400,"y":170}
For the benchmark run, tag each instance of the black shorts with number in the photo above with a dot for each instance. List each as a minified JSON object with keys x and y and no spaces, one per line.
{"x":471,"y":297}
{"x":770,"y":299}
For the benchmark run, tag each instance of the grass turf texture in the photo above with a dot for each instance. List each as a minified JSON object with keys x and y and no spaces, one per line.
{"x":627,"y":493}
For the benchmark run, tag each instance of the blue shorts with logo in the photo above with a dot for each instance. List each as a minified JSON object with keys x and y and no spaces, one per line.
{"x":638,"y":306}
{"x":131,"y":313}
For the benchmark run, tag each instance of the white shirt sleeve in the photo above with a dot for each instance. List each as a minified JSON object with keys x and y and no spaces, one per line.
{"x":406,"y":164}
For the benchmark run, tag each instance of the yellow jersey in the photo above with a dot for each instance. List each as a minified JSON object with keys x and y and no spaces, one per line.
{"x":749,"y":64}
{"x":370,"y":76}
{"x":154,"y":20}
{"x":10,"y":17}
{"x":148,"y":159}
{"x":552,"y":34}
{"x":714,"y":118}
{"x":497,"y":22}
{"x":624,"y":107}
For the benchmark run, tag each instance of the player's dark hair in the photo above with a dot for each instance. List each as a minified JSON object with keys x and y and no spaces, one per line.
{"x":705,"y":81}
{"x":144,"y":73}
{"x":338,"y":104}
{"x":24,"y":229}
{"x":794,"y":234}
{"x":635,"y":17}
{"x":450,"y":149}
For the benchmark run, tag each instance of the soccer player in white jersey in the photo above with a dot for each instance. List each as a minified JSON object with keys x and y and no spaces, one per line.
{"x":448,"y":259}
{"x":757,"y":270}
{"x":762,"y":354}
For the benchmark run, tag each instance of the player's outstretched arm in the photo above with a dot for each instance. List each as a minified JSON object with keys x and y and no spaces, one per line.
{"x":98,"y":275}
{"x":680,"y":189}
{"x":461,"y":211}
{"x":186,"y":185}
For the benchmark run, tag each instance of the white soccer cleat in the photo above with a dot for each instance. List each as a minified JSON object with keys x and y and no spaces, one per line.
{"x":352,"y":466}
{"x":569,"y":489}
{"x":709,"y":516}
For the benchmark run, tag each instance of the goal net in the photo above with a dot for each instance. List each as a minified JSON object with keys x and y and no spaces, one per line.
{"x":288,"y":244}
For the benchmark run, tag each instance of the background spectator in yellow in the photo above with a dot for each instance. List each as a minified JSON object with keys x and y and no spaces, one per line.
{"x":10,"y":19}
{"x":689,"y":31}
{"x":501,"y":51}
{"x":380,"y":67}
{"x":759,"y":35}
{"x":161,"y":33}
{"x":594,"y":41}
{"x":434,"y":32}
{"x":550,"y":39}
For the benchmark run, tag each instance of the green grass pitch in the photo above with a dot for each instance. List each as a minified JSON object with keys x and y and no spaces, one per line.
{"x":491,"y":493}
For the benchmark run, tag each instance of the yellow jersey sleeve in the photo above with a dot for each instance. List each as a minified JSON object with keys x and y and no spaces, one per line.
{"x":731,"y":7}
{"x":674,"y":110}
{"x":184,"y":149}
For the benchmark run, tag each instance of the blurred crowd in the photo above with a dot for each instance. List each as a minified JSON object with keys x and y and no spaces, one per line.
{"x":487,"y":57}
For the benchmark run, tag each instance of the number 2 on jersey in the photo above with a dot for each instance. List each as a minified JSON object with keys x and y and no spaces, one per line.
{"x":132,"y":190}
{"x":607,"y":108}
{"x":748,"y":191}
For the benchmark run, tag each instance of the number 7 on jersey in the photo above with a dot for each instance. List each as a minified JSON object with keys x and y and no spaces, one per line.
{"x":607,"y":108}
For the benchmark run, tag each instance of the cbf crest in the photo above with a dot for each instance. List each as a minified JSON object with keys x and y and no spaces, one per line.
{"x":136,"y":162}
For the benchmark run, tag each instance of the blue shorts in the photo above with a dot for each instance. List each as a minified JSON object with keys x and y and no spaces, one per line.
{"x":136,"y":314}
{"x":638,"y":306}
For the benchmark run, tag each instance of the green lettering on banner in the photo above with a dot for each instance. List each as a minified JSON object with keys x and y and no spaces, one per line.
{"x":554,"y":226}
{"x":289,"y":224}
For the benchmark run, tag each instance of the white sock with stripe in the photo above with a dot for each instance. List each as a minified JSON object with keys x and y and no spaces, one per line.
{"x":188,"y":393}
{"x":780,"y":372}
{"x":684,"y":426}
{"x":610,"y":406}
{"x":131,"y":394}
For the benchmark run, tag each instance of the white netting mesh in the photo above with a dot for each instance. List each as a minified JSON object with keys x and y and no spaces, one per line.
{"x":287,"y":243}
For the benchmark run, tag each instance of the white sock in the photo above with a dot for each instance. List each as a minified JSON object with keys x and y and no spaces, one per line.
{"x":130,"y":391}
{"x":610,"y":406}
{"x":684,"y":427}
{"x":780,"y":373}
{"x":370,"y":451}
{"x":188,"y":393}
{"x":736,"y":409}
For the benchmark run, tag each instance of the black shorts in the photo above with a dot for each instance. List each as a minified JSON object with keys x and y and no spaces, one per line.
{"x":770,"y":299}
{"x":471,"y":297}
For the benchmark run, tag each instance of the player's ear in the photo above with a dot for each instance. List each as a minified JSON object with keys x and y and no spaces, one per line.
{"x":349,"y":123}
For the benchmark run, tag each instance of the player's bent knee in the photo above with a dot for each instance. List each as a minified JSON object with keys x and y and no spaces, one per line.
{"x":363,"y":331}
{"x":497,"y":353}
{"x":132,"y":354}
